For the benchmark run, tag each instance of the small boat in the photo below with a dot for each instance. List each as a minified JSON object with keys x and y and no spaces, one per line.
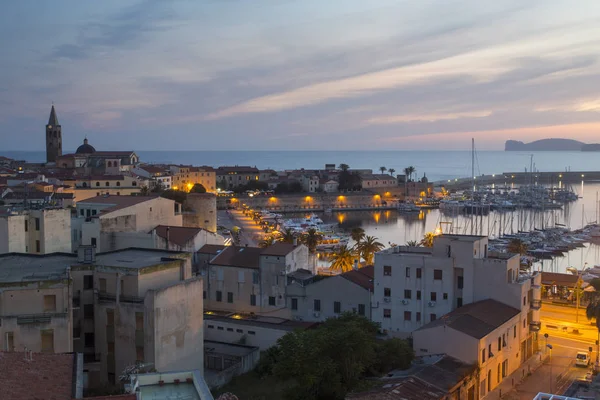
{"x":408,"y":208}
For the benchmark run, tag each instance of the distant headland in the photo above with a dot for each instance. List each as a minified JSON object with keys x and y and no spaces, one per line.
{"x":550,"y":145}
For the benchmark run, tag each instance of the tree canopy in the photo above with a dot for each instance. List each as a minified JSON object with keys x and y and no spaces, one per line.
{"x":198,"y":188}
{"x":177,"y":195}
{"x":331,"y":360}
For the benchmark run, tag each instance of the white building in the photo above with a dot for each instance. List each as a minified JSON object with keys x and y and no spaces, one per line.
{"x":314,"y":298}
{"x":329,"y":185}
{"x":417,"y":285}
{"x":310,"y":183}
{"x":117,"y":222}
{"x":36,"y":231}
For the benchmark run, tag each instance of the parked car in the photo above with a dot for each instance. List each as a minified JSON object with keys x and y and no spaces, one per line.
{"x":582,"y":359}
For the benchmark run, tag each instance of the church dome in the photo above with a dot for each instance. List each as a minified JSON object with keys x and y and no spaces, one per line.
{"x":85,"y":148}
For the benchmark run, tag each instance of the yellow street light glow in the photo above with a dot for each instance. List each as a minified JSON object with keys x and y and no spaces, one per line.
{"x":236,"y":316}
{"x":560,"y":176}
{"x":512,"y":176}
{"x":341,"y":198}
{"x":377,"y":196}
{"x":175,"y":188}
{"x":273,"y":199}
{"x":582,"y":175}
{"x":308,"y":198}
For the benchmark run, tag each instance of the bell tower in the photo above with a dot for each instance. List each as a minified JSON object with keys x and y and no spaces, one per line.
{"x":53,"y":138}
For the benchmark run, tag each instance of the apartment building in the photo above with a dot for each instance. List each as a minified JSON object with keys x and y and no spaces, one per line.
{"x":35,"y":231}
{"x":316,"y":298}
{"x":158,"y":175}
{"x":417,"y":285}
{"x":35,"y":305}
{"x":251,"y":279}
{"x":186,"y":176}
{"x":233,"y":177}
{"x":134,"y":306}
{"x":117,"y":222}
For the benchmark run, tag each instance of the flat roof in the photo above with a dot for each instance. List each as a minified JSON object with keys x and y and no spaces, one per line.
{"x":171,"y":391}
{"x":464,"y":238}
{"x":238,"y":350}
{"x":116,"y":202}
{"x":31,"y":268}
{"x":136,"y":258}
{"x":259,"y":321}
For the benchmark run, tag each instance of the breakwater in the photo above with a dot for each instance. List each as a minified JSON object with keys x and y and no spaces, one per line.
{"x":523,"y":178}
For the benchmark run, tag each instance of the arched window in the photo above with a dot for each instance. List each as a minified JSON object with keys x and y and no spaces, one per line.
{"x":97,"y":183}
{"x":118,"y":183}
{"x":107,"y":184}
{"x":84,"y":184}
{"x":109,"y":164}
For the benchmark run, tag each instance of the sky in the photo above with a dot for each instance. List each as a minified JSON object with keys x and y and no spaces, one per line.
{"x":299,"y":74}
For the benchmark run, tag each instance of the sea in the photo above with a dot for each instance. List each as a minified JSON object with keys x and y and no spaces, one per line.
{"x":436,"y":165}
{"x":391,"y":227}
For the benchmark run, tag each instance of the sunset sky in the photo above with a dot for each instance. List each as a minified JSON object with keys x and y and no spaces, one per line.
{"x":299,"y":74}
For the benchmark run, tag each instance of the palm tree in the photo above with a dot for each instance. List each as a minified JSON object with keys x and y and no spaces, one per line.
{"x":391,"y":171}
{"x":412,"y":170}
{"x":266,"y":242}
{"x":428,"y":239}
{"x":413,"y":243}
{"x":382,"y":169}
{"x":343,"y":259}
{"x":407,"y":173}
{"x":288,"y":236}
{"x":344,"y":167}
{"x":357,"y":234}
{"x":311,"y":239}
{"x":517,"y":246}
{"x":593,"y":311}
{"x":368,"y":247}
{"x":144,"y":191}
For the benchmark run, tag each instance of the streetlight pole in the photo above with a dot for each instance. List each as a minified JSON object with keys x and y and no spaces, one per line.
{"x":551,"y":377}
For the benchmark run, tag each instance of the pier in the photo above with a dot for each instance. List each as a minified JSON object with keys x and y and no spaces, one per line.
{"x":522,"y":178}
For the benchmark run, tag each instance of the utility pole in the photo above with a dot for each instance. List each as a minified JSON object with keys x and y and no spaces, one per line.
{"x":551,"y":377}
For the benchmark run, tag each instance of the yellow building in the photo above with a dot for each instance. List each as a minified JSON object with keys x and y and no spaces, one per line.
{"x":186,"y":176}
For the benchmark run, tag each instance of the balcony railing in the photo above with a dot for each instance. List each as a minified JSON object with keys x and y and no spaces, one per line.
{"x":46,"y":318}
{"x":536,"y":304}
{"x":131,"y":299}
{"x":105,"y":296}
{"x":535,"y":326}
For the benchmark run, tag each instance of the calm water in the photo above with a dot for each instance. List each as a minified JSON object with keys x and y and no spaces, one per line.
{"x":392,"y":227}
{"x":437,"y":165}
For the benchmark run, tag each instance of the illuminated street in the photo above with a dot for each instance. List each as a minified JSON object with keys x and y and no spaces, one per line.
{"x":251,"y":233}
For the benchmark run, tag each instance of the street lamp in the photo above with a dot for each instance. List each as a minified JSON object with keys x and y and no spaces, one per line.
{"x":550,"y":347}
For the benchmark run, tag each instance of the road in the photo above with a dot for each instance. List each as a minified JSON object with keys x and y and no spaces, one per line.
{"x":560,"y":321}
{"x":251,"y":233}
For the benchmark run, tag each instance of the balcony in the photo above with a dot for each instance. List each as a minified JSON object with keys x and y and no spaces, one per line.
{"x":139,"y":338}
{"x":130,"y":299}
{"x":535,"y":326}
{"x":25,"y":319}
{"x":105,"y":296}
{"x":536,"y":304}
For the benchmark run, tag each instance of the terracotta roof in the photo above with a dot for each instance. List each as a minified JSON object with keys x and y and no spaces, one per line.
{"x":363,"y":277}
{"x":211,"y":249}
{"x":177,"y":234}
{"x":234,"y":256}
{"x":410,"y":388}
{"x":238,"y":169}
{"x":112,"y":153}
{"x":477,"y":319}
{"x":48,"y":376}
{"x":554,"y":278}
{"x":278,"y":249}
{"x":102,"y":177}
{"x":154,"y":169}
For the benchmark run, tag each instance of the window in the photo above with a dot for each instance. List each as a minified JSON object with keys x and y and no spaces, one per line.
{"x":255,"y":277}
{"x":48,"y":341}
{"x":419,"y":273}
{"x":97,"y":183}
{"x":499,"y":343}
{"x":271,"y":300}
{"x":433,"y":296}
{"x":524,"y":300}
{"x":111,"y":378}
{"x":211,"y":327}
{"x":219,"y":295}
{"x":459,"y":302}
{"x":252,"y":299}
{"x":460,"y":282}
{"x":88,"y":311}
{"x":418,"y":316}
{"x":337,"y":307}
{"x":432,"y":317}
{"x":408,"y":272}
{"x":9,"y":342}
{"x":38,"y":247}
{"x":387,"y":313}
{"x":50,"y":303}
{"x":230,"y":297}
{"x":134,"y":183}
{"x":88,"y":282}
{"x":90,"y":339}
{"x":110,"y":317}
{"x":229,"y":329}
{"x":490,"y":355}
{"x":82,"y":212}
{"x":407,"y":316}
{"x":361,"y":309}
{"x":387,"y":270}
{"x":93,"y":242}
{"x":26,"y":226}
{"x":503,"y":340}
{"x":524,"y":323}
{"x":407,"y":293}
{"x":317,"y":305}
{"x":437,"y":274}
{"x":220,"y":328}
{"x":515,"y":331}
{"x":106,"y":184}
{"x":241,"y":277}
{"x":204,"y":294}
{"x":102,"y":284}
{"x":387,"y":292}
{"x":251,"y":333}
{"x":482,"y":356}
{"x":139,"y":354}
{"x":239,"y":331}
{"x":294,"y":304}
{"x":445,"y":296}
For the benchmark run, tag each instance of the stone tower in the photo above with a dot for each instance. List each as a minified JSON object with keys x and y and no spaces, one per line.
{"x":53,"y":137}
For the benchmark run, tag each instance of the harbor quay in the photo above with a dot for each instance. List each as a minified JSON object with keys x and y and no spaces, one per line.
{"x":521,"y":178}
{"x":315,"y":201}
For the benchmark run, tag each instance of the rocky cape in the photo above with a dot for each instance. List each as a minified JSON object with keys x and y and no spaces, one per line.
{"x":550,"y":145}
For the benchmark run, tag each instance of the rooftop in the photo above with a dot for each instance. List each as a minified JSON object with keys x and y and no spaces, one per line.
{"x":234,"y":256}
{"x":463,"y":238}
{"x":477,"y":319}
{"x":211,"y":249}
{"x":116,"y":202}
{"x":363,"y":277}
{"x":46,"y":376}
{"x":554,"y":278}
{"x":184,"y":385}
{"x":137,"y":258}
{"x":178,"y":235}
{"x":232,"y":349}
{"x":257,"y":320}
{"x":410,"y":388}
{"x":278,"y":249}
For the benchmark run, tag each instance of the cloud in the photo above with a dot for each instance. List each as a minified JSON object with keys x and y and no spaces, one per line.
{"x":394,"y":119}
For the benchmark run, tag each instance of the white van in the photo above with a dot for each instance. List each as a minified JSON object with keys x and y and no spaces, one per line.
{"x":583,"y":359}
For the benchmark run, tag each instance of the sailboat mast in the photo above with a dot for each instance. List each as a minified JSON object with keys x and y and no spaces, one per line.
{"x":473,"y":162}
